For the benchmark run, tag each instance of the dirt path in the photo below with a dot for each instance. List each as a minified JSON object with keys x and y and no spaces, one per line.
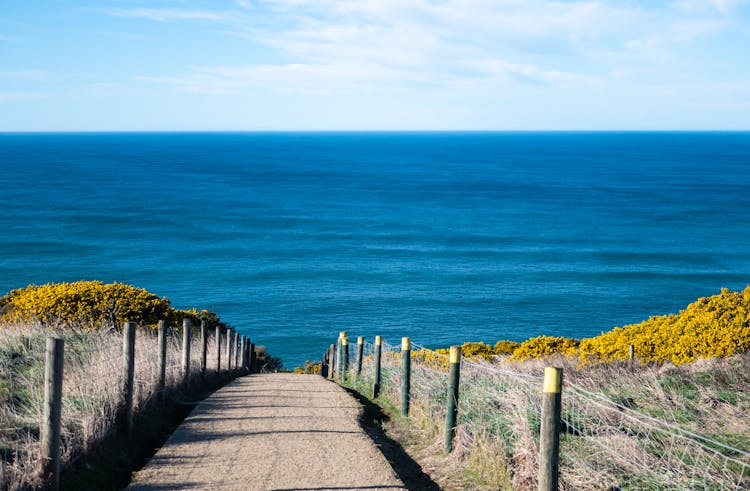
{"x":273,"y":432}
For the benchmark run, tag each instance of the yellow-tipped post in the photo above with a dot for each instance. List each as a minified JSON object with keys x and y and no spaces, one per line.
{"x":452,"y":413}
{"x":549,"y":433}
{"x":405,"y":375}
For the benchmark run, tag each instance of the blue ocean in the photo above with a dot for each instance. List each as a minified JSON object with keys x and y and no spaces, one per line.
{"x":443,"y":237}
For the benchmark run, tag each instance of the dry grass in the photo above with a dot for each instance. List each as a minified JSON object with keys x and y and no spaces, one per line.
{"x":657,"y":426}
{"x":91,"y":391}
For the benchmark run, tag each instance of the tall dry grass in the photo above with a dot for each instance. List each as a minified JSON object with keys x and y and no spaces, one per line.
{"x":656,"y":426}
{"x":91,"y":391}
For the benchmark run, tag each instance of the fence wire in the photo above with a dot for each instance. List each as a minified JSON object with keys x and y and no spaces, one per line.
{"x":604,"y":445}
{"x":92,"y":385}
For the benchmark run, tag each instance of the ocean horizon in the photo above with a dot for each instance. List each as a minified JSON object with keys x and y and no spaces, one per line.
{"x":445,"y":237}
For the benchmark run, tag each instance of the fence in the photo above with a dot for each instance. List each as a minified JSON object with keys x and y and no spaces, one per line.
{"x":97,"y":383}
{"x":533,"y":431}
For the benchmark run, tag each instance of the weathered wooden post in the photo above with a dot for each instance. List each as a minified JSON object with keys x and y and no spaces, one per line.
{"x":218,"y":350}
{"x":248,"y":358}
{"x":186,"y":328}
{"x":631,"y":355}
{"x":161,"y":340}
{"x":229,"y":349}
{"x":376,"y":379}
{"x":243,"y":352}
{"x":128,"y":375}
{"x":254,"y":368}
{"x":452,"y":413}
{"x":53,"y":380}
{"x":236,"y":350}
{"x":405,"y":375}
{"x":345,"y":347}
{"x":549,"y":433}
{"x":204,"y":347}
{"x":340,"y":356}
{"x":331,"y":361}
{"x":360,"y":352}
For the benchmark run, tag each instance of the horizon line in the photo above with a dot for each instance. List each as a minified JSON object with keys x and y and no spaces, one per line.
{"x":333,"y":131}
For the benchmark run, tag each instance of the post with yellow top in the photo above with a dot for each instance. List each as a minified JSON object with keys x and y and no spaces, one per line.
{"x":549,"y":434}
{"x":340,"y":356}
{"x":452,"y":413}
{"x":345,"y":360}
{"x":405,"y":375}
{"x":376,"y":379}
{"x":360,"y":352}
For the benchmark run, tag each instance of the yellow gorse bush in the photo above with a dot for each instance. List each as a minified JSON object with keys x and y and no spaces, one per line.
{"x":542,"y":346}
{"x":711,"y":326}
{"x":91,"y":305}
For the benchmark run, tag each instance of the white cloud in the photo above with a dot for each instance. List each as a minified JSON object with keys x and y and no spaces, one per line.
{"x":721,"y":6}
{"x":169,"y":14}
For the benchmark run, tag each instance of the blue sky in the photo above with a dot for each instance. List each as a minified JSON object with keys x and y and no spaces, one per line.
{"x":374,"y":65}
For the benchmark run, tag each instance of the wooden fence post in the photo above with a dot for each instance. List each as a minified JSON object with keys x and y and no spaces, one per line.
{"x":340,"y":356}
{"x":229,"y":349}
{"x":236,"y":351}
{"x":549,"y":433}
{"x":345,"y":359}
{"x":218,"y":350}
{"x":53,"y":380}
{"x":248,"y":342}
{"x":253,"y":359}
{"x":331,"y":361}
{"x":128,"y":375}
{"x":186,"y":328}
{"x":204,"y":347}
{"x":452,"y":412}
{"x":376,"y":379}
{"x":631,"y":355}
{"x":162,"y":346}
{"x":243,"y":352}
{"x":360,"y":352}
{"x":405,"y":375}
{"x":249,"y":355}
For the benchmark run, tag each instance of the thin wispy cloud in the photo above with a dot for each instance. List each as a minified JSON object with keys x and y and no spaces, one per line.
{"x":168,"y":14}
{"x":461,"y":57}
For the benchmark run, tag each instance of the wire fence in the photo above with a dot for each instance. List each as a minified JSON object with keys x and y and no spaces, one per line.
{"x":92,"y":390}
{"x":604,"y":444}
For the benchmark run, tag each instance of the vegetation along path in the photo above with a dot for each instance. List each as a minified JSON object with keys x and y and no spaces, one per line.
{"x":271,"y":432}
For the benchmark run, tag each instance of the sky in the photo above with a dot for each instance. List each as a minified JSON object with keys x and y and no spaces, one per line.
{"x":330,"y":65}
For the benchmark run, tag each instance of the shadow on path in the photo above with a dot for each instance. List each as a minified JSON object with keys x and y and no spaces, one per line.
{"x":406,"y":468}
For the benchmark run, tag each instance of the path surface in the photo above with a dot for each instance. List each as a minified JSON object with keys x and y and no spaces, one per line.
{"x":275,"y":432}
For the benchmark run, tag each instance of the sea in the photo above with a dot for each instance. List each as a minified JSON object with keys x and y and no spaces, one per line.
{"x":442,"y":237}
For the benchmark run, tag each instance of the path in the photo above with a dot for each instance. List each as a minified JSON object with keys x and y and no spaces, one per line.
{"x":275,"y":432}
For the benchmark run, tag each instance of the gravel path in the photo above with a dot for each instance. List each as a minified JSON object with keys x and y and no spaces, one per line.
{"x":274,"y":432}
